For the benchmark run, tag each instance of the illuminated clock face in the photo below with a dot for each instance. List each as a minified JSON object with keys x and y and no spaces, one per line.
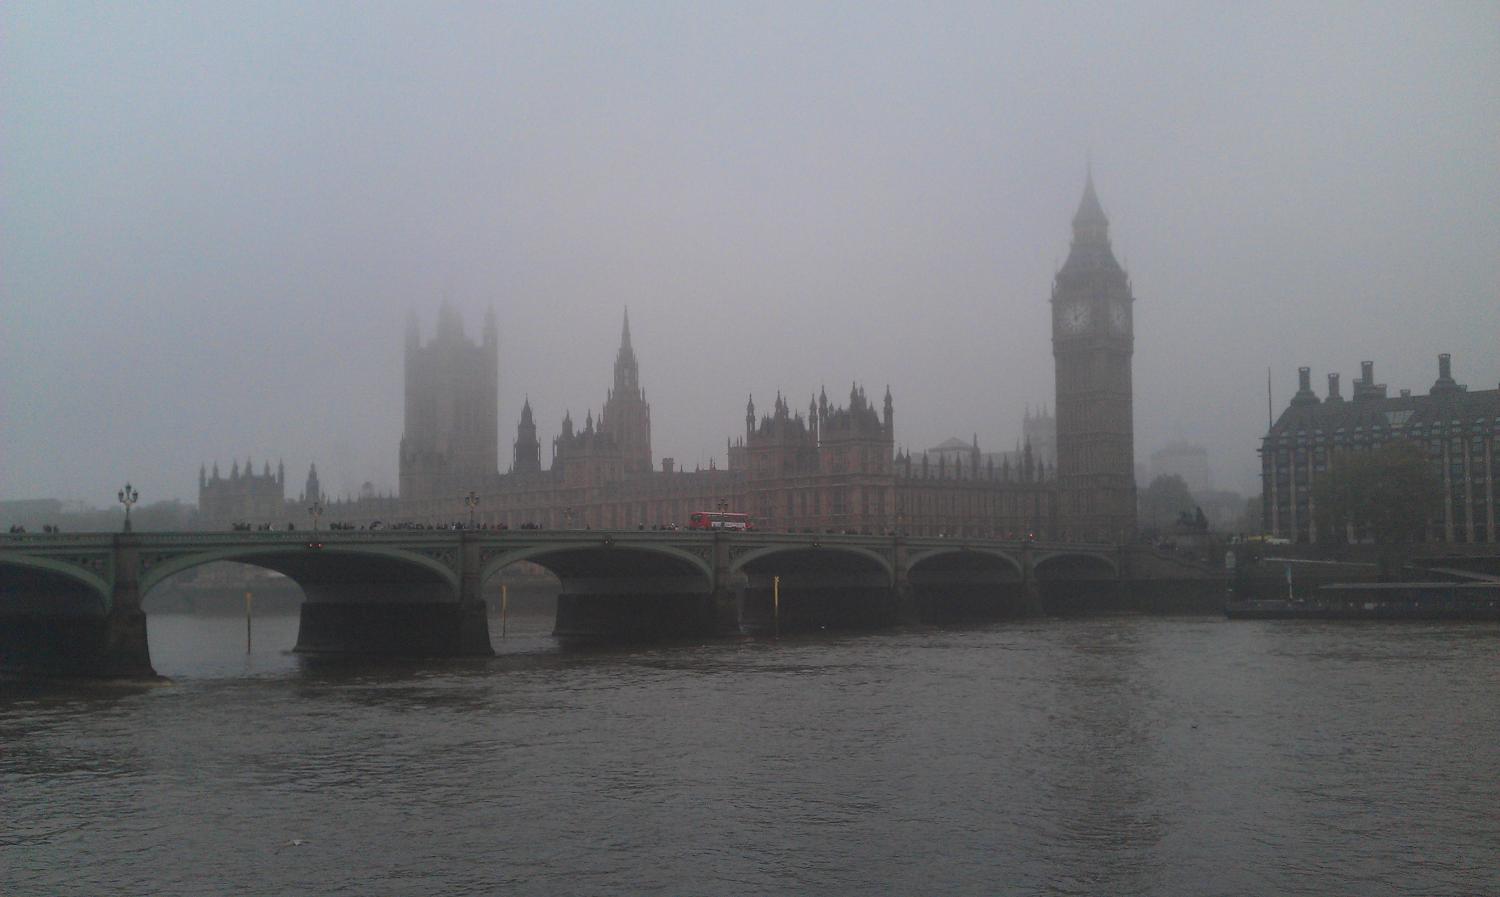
{"x":1119,"y":316}
{"x":1073,"y":318}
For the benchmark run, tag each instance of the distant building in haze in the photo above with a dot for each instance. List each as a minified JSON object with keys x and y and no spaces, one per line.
{"x":1186,"y":460}
{"x":836,"y":468}
{"x":450,"y":444}
{"x":1457,"y":429}
{"x":243,"y":496}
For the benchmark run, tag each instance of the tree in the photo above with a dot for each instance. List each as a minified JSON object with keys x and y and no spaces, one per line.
{"x":1166,"y":498}
{"x":1386,"y":495}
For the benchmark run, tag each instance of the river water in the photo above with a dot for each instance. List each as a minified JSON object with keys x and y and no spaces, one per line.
{"x":1110,"y":755}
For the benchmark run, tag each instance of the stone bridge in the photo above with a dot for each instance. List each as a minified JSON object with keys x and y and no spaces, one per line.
{"x":72,"y":602}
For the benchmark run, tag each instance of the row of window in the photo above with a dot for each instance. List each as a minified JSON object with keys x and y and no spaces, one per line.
{"x":1477,"y":429}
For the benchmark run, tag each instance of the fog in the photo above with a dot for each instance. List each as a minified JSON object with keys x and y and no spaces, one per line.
{"x":214,"y":219}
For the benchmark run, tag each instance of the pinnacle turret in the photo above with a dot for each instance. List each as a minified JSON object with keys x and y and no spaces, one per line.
{"x":1090,"y":212}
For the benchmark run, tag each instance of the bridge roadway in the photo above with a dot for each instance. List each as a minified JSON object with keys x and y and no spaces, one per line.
{"x":72,"y":602}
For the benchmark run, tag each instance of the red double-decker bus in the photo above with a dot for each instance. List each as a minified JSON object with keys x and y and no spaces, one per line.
{"x":720,"y":520}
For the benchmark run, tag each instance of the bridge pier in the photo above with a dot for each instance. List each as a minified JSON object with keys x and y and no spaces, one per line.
{"x":395,"y":615}
{"x":1031,"y":589}
{"x":112,"y":646}
{"x":724,"y":608}
{"x":54,"y":628}
{"x":909,"y":610}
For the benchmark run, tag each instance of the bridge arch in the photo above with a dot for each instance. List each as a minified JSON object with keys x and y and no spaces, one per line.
{"x":621,"y":589}
{"x":331,"y":568}
{"x":971,"y":557}
{"x":575,"y":560}
{"x":955,"y":583}
{"x":754,"y":560}
{"x":1075,"y":565}
{"x":806,"y":586}
{"x":1077,"y":581}
{"x":50,"y":583}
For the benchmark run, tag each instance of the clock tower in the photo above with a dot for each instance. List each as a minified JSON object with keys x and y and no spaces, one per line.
{"x":1092,"y":341}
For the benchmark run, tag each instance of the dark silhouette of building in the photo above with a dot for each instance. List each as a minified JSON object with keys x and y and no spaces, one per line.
{"x":312,"y":491}
{"x":450,"y":444}
{"x":527,"y":454}
{"x":1456,"y":427}
{"x":1092,"y":343}
{"x":1186,"y":460}
{"x":626,"y":416}
{"x":837,"y":468}
{"x":242,"y":496}
{"x":1039,"y":430}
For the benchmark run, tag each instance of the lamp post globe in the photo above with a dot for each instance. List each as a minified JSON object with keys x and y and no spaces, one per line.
{"x":316,"y":510}
{"x":471,"y":501}
{"x":127,"y":497}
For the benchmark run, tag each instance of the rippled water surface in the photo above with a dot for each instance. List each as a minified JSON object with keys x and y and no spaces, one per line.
{"x":1121,"y":755}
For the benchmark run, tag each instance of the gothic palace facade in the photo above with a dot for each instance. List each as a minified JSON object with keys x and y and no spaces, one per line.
{"x":834,"y":468}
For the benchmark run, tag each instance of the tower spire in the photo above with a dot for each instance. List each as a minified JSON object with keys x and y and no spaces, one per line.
{"x":1090,"y":213}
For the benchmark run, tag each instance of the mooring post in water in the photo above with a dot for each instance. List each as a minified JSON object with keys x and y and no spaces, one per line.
{"x":776,"y":606}
{"x":504,"y":602}
{"x":248,"y":603}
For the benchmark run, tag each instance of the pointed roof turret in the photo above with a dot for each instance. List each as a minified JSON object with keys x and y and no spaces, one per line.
{"x":1090,"y":212}
{"x":1090,"y":254}
{"x":526,"y":412}
{"x":627,"y":371}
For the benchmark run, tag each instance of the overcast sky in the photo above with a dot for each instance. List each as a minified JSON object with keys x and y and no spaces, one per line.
{"x":214,"y":218}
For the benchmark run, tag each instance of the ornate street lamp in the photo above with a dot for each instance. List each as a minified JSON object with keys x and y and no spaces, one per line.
{"x":568,"y":518}
{"x":128,"y":497}
{"x":471,"y":501}
{"x":723,"y":505}
{"x":316,"y":510}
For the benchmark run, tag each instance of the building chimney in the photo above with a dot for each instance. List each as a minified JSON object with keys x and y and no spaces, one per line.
{"x":1305,"y":395}
{"x":1445,"y":382}
{"x":1366,"y":387}
{"x":1333,"y":388}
